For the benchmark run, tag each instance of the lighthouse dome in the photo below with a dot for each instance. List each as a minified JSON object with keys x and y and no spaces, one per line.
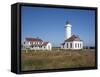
{"x":68,"y":24}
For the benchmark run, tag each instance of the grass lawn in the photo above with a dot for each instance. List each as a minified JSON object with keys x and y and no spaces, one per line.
{"x":37,"y":60}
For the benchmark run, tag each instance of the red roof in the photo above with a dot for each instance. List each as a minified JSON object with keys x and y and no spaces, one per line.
{"x":33,"y":39}
{"x":45,"y":43}
{"x":73,"y":38}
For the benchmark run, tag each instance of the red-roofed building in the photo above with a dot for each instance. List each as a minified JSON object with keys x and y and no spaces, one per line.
{"x":71,"y":41}
{"x":36,"y":44}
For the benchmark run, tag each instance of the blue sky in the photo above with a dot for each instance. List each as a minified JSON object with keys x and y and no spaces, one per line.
{"x":48,"y":24}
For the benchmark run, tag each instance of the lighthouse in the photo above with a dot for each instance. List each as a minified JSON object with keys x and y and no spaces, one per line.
{"x":67,"y":30}
{"x":71,"y":41}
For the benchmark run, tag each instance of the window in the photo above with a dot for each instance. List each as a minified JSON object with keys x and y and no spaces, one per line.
{"x":67,"y":45}
{"x":30,"y":42}
{"x":75,"y":45}
{"x":70,"y":45}
{"x":80,"y":45}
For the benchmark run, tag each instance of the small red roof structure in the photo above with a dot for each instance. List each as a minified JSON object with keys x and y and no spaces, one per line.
{"x":73,"y":38}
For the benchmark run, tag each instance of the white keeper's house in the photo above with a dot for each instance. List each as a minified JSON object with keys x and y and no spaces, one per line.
{"x":71,"y":41}
{"x":36,"y":44}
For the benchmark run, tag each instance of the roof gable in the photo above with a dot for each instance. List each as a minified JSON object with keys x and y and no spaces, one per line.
{"x":33,"y":39}
{"x":73,"y":38}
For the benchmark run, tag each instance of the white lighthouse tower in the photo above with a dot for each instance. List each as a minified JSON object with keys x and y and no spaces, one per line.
{"x":67,"y":30}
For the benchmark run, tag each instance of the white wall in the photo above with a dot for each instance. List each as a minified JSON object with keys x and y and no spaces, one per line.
{"x":68,"y":43}
{"x":5,"y":41}
{"x":27,"y":45}
{"x":78,"y":42}
{"x":73,"y":45}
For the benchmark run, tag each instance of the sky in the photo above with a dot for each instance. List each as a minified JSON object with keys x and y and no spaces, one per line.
{"x":48,"y":24}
